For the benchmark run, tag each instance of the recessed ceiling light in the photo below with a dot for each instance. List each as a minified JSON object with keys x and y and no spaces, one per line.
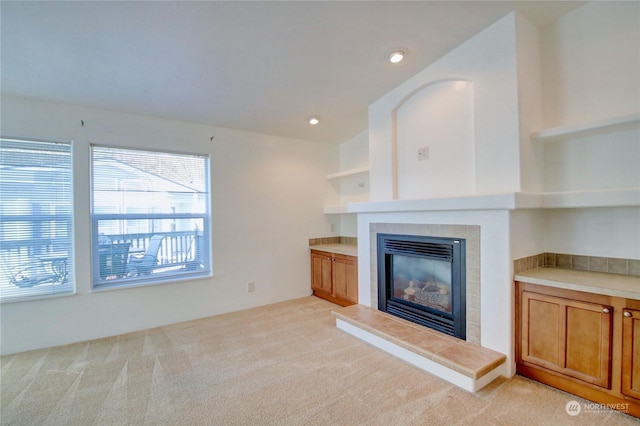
{"x":396,"y":56}
{"x":313,"y":120}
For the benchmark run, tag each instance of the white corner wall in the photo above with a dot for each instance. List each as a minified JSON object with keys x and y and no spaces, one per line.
{"x":488,"y":60}
{"x":354,"y":154}
{"x":590,"y":72}
{"x":591,"y":63}
{"x":267,"y":200}
{"x":529,"y":105}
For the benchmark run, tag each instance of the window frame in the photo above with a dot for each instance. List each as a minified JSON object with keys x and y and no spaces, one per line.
{"x":204,"y":234}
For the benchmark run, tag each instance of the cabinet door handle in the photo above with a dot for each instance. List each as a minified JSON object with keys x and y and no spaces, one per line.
{"x":627,"y":314}
{"x":605,"y":310}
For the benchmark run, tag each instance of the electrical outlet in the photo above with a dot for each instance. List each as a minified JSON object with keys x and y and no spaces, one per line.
{"x":251,"y":287}
{"x":423,"y":153}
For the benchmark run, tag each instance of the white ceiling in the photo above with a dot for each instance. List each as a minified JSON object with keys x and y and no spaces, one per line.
{"x":257,"y":66}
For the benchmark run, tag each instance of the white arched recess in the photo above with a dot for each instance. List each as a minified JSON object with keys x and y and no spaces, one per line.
{"x":435,"y":121}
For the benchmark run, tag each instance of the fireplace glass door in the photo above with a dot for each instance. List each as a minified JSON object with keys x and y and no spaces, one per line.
{"x":423,"y":282}
{"x":422,"y":279}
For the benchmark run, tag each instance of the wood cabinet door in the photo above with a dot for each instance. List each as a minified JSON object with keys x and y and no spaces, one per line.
{"x":567,"y":336}
{"x":542,"y":325}
{"x":345,"y":278}
{"x":631,"y":352}
{"x":321,"y":271}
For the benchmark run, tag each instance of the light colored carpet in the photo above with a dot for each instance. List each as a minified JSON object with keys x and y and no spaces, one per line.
{"x":283,"y":364}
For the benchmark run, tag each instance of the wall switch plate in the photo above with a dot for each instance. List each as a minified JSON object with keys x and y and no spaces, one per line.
{"x":251,"y":287}
{"x":423,"y":153}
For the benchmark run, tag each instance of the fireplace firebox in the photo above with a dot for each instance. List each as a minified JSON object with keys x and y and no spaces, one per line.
{"x":422,"y":279}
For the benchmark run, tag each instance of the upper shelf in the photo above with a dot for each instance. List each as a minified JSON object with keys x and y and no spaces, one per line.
{"x":557,"y":132}
{"x":352,"y":172}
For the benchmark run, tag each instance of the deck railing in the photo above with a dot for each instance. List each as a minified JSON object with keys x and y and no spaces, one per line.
{"x":176,"y":247}
{"x":183,"y":248}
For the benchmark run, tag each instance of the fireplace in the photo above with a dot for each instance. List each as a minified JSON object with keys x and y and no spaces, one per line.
{"x":422,"y":279}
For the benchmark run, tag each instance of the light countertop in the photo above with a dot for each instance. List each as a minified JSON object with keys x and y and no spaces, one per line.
{"x":626,"y":286}
{"x":348,"y":249}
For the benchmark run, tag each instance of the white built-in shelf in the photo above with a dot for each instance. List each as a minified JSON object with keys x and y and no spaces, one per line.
{"x":339,"y":209}
{"x":619,"y":197}
{"x":351,"y":172}
{"x":554,"y":133}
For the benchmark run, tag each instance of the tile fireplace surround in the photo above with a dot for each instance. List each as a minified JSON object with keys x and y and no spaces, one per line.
{"x":470,"y":233}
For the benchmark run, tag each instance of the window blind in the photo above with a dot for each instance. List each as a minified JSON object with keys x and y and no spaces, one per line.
{"x":150,"y":216}
{"x":36,"y":221}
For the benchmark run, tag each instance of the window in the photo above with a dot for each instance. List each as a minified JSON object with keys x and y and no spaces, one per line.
{"x":150,"y":216}
{"x":36,"y":250}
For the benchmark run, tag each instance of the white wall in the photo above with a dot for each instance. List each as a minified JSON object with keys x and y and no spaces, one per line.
{"x":527,"y":229}
{"x":529,"y":105}
{"x":267,"y":200}
{"x":591,"y":63}
{"x":354,"y":154}
{"x":606,"y":160}
{"x":591,"y":72}
{"x":488,"y":60}
{"x":437,"y":119}
{"x":606,"y":232}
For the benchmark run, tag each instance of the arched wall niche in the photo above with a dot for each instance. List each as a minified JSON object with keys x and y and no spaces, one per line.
{"x":433,"y":141}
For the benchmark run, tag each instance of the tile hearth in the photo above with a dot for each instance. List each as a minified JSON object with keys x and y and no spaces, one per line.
{"x":464,"y":364}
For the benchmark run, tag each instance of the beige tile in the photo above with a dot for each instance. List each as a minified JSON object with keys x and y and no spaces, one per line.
{"x":517,"y":266}
{"x":531,"y":262}
{"x":617,"y":266}
{"x":470,"y":360}
{"x":473,"y":315}
{"x":598,"y":264}
{"x":580,"y":262}
{"x":549,"y":259}
{"x":563,"y":261}
{"x":473,"y":333}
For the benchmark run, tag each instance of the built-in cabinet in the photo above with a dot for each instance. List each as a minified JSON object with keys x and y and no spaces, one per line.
{"x":334,"y":277}
{"x":631,"y":352}
{"x":567,"y":336}
{"x":583,"y":343}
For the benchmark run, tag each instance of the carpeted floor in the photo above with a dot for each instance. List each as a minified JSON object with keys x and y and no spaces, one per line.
{"x":283,"y":364}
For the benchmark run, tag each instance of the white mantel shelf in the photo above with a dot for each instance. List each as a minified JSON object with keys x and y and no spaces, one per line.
{"x":509,"y":201}
{"x":623,"y":197}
